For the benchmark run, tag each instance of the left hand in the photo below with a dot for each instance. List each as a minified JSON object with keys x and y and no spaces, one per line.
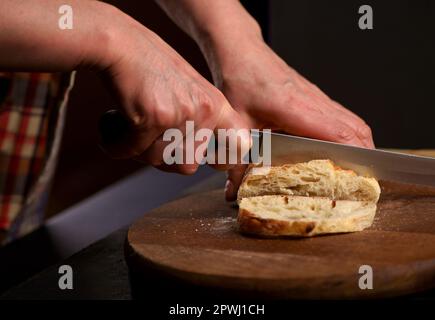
{"x":270,"y":94}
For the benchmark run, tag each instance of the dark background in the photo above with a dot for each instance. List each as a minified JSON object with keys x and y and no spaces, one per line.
{"x":385,"y":75}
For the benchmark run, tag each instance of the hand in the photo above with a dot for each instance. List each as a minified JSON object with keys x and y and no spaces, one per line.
{"x":269,"y":94}
{"x":158,"y":90}
{"x":265,"y":91}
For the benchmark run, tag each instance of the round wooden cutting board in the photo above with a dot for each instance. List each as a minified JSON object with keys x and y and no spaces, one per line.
{"x":195,"y":240}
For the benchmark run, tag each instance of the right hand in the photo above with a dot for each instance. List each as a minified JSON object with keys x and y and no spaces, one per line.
{"x":158,"y":90}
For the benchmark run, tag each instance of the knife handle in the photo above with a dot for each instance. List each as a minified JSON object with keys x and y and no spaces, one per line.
{"x":113,"y":127}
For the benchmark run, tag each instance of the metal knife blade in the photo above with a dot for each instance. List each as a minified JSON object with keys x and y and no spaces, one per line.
{"x":383,"y":165}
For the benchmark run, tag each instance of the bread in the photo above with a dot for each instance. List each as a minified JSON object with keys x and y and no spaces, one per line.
{"x":303,"y":216}
{"x":305,"y":199}
{"x":320,"y":178}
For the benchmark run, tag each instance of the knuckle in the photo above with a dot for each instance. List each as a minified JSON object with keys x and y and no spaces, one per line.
{"x":187,"y":111}
{"x":365,"y":131}
{"x":164,"y":118}
{"x":137,"y":117}
{"x":209,"y":105}
{"x":204,"y":101}
{"x":346,"y":134}
{"x":289,"y":99}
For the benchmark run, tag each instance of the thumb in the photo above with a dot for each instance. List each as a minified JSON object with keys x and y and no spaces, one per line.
{"x":234,"y":179}
{"x":233,"y":136}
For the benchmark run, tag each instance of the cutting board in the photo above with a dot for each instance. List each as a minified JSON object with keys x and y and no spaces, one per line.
{"x":194,"y":242}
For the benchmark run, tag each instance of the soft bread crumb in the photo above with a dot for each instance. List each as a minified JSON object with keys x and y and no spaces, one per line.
{"x":319,"y":178}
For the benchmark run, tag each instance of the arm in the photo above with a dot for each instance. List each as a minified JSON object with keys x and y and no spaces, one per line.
{"x":261,"y":86}
{"x":30,"y":38}
{"x":156,"y":88}
{"x":220,"y":28}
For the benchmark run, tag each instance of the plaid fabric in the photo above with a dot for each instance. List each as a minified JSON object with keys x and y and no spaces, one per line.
{"x":31,"y":120}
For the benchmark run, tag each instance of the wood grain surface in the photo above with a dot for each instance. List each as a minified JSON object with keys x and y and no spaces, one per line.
{"x":196,"y":240}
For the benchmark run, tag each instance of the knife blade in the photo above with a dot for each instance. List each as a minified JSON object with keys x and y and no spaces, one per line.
{"x":381,"y":164}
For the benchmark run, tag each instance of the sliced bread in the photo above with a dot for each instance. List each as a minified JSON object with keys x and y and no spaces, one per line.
{"x":278,"y":215}
{"x":319,"y":178}
{"x":306,"y":199}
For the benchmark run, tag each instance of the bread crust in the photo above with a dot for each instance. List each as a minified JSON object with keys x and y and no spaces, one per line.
{"x":250,"y":223}
{"x":253,"y":224}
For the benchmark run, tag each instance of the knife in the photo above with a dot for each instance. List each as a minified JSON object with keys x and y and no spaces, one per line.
{"x":381,"y":164}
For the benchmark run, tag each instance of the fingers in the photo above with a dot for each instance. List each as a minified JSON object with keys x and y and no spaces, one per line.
{"x":183,"y":154}
{"x":229,"y":133}
{"x":234,"y":179}
{"x":359,"y":132}
{"x":361,"y":135}
{"x":233,"y":139}
{"x":179,"y":144}
{"x":305,"y":114}
{"x":363,"y":131}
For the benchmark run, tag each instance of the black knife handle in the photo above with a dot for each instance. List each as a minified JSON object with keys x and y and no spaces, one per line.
{"x":114,"y":127}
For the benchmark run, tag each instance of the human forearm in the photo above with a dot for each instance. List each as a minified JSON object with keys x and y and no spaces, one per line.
{"x":221,"y":28}
{"x":30,"y":38}
{"x":156,"y":88}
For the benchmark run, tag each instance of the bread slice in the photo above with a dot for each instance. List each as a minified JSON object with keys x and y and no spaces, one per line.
{"x":305,"y":199}
{"x":278,"y":215}
{"x":320,"y":178}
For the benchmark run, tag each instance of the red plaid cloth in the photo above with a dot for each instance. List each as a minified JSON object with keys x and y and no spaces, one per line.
{"x":31,"y":120}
